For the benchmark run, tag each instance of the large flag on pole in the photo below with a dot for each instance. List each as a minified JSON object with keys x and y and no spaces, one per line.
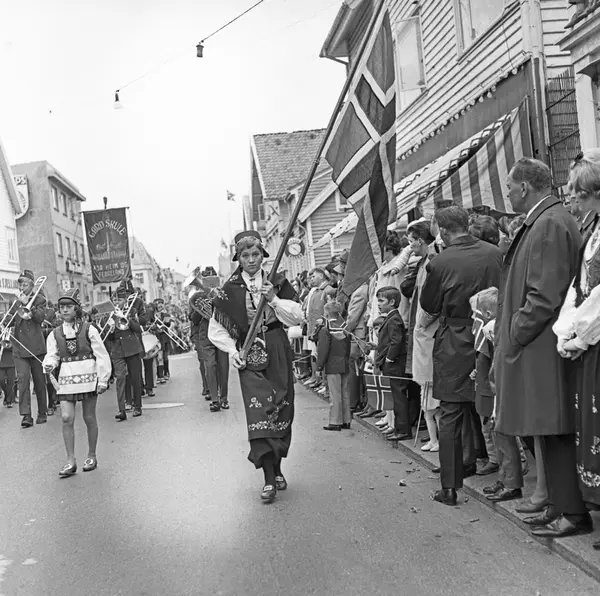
{"x":362,"y":153}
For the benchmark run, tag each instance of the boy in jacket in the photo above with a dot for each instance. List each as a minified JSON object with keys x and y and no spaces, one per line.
{"x":390,"y":358}
{"x":333,"y":354}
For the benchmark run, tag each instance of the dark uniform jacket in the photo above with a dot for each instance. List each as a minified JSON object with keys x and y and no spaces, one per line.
{"x":466,"y":267}
{"x":126,"y":343}
{"x":29,"y":331}
{"x":392,"y":344}
{"x":333,"y":349}
{"x":531,"y":377}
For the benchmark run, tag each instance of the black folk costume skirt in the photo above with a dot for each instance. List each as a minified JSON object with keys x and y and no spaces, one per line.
{"x":269,"y":400}
{"x":587,"y":424}
{"x":75,"y":397}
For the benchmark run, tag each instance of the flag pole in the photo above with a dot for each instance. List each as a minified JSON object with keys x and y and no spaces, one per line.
{"x":252,"y":332}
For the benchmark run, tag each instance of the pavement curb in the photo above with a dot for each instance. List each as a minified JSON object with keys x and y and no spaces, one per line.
{"x":577,"y":550}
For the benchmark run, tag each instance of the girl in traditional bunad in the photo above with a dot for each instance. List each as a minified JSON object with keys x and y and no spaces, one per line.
{"x":84,"y":372}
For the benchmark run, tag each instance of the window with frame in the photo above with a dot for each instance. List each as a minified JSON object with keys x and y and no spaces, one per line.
{"x":63,"y":198}
{"x":59,"y":244}
{"x":410,"y":63}
{"x":75,"y":252}
{"x":11,"y":241}
{"x":82,"y":254}
{"x":55,"y":202}
{"x":72,"y":208}
{"x":68,"y":246}
{"x":139,"y":278}
{"x":474,"y":17}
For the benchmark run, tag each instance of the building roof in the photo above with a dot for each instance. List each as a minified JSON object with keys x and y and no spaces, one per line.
{"x":283,"y":159}
{"x":140,"y":252}
{"x":51,"y":172}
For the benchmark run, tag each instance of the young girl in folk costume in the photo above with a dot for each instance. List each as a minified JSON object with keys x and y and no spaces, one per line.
{"x":266,"y":377}
{"x":84,"y":372}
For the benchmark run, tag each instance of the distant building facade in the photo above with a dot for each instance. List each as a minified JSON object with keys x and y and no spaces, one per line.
{"x":51,"y":232}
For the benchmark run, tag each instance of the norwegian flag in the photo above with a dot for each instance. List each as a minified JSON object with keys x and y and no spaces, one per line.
{"x":478,"y":325}
{"x":362,"y":153}
{"x":379,"y":392}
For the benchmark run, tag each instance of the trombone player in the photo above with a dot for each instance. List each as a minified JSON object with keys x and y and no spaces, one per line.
{"x":29,"y":347}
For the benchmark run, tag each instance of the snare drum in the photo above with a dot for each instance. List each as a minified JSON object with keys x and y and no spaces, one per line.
{"x":151,"y":345}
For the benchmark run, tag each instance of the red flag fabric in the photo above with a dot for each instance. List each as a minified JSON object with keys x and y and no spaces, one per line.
{"x":362,"y":153}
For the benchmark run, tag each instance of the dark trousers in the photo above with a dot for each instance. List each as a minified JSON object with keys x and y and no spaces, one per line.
{"x":216,"y":364}
{"x":149,"y":374}
{"x":354,"y":377}
{"x":202,"y":367}
{"x":406,"y":406}
{"x":166,"y":348}
{"x":26,"y":369}
{"x":451,"y":437}
{"x":473,"y":440}
{"x":561,"y":474}
{"x":7,"y":384}
{"x":509,"y":460}
{"x":131,"y":367}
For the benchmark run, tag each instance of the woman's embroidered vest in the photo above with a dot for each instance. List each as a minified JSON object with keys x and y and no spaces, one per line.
{"x":78,"y":364}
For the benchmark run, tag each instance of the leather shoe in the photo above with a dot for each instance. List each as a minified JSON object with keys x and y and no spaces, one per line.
{"x":436,"y":470}
{"x":333,"y":427}
{"x":269,"y":492}
{"x":489,"y":468}
{"x":469,"y":470}
{"x":596,"y":545}
{"x":446,"y":496}
{"x":371,"y":414}
{"x":346,"y":426}
{"x":529,"y":507}
{"x":26,"y":422}
{"x":397,"y":437}
{"x":380,"y":415}
{"x":544,"y":518}
{"x":493,"y":489}
{"x":281,"y":483}
{"x":561,"y":527}
{"x":506,"y":494}
{"x":137,"y":412}
{"x":41,"y":419}
{"x":122,"y":415}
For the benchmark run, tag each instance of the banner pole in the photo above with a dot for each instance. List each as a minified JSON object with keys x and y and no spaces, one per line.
{"x":252,"y":332}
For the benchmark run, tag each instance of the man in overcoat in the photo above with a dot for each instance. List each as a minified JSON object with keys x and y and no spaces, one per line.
{"x":531,"y":377}
{"x":466,"y":267}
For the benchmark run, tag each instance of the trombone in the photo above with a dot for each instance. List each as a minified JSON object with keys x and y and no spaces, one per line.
{"x":119,"y":317}
{"x":162,"y":328}
{"x":23,"y":310}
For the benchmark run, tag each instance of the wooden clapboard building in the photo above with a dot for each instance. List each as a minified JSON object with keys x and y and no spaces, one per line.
{"x":471,"y":82}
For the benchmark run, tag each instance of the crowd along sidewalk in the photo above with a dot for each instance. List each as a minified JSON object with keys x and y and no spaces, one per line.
{"x":576,"y":549}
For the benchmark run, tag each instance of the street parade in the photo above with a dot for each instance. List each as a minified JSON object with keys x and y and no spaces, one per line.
{"x":362,"y":361}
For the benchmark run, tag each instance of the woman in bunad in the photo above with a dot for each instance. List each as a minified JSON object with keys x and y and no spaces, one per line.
{"x":421,"y":339}
{"x":266,"y":376}
{"x":578,"y":331}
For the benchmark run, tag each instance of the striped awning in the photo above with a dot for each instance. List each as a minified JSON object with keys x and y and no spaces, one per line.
{"x":471,"y":174}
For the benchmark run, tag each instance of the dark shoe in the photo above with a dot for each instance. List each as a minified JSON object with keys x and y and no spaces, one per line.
{"x":224,"y":404}
{"x":50,"y":412}
{"x":91,"y":463}
{"x":561,"y":527}
{"x":122,"y":415}
{"x":543,"y":519}
{"x":9,"y":405}
{"x":397,"y":437}
{"x":269,"y":492}
{"x":41,"y":419}
{"x":207,"y":397}
{"x":425,"y":439}
{"x":333,"y":427}
{"x":150,"y":393}
{"x":26,"y":422}
{"x":143,"y":393}
{"x":436,"y":470}
{"x":370,"y":414}
{"x":346,"y":426}
{"x":280,"y":483}
{"x":469,"y":470}
{"x":529,"y":507}
{"x":68,"y":470}
{"x":489,"y":468}
{"x":596,"y":545}
{"x":161,"y":381}
{"x":446,"y":496}
{"x":137,"y":412}
{"x":215,"y":406}
{"x":506,"y":494}
{"x":380,"y":415}
{"x":493,"y":489}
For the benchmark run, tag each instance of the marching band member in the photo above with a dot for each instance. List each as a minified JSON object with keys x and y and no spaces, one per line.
{"x":125,"y":353}
{"x":145,"y":318}
{"x":267,"y":376}
{"x":216,"y":362}
{"x":163,"y":373}
{"x":84,"y":373}
{"x":29,"y":343}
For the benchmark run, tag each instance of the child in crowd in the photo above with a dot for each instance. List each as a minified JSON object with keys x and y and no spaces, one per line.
{"x":484,"y":305}
{"x":390,"y":359}
{"x":7,"y":370}
{"x":84,"y":372}
{"x":333,"y":354}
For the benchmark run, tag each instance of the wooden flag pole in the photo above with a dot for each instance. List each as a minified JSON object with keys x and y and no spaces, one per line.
{"x":288,"y":234}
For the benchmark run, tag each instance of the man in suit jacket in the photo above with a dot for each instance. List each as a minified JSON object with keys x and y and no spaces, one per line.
{"x":356,"y":324}
{"x":533,"y":398}
{"x":466,"y":267}
{"x":390,"y":359}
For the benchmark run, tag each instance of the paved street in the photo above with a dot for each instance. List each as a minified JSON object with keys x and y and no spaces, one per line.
{"x":174,"y":509}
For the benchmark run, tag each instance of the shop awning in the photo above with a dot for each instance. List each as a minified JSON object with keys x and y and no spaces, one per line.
{"x":471,"y":174}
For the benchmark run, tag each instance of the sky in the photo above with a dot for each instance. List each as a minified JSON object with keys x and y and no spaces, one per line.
{"x":182,"y":138}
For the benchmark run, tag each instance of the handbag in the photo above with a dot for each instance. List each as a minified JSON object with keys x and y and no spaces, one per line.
{"x":257,"y":358}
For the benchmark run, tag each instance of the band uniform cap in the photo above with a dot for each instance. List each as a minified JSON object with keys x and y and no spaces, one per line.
{"x":70,"y":295}
{"x":248,"y":234}
{"x":27,"y":274}
{"x":159,"y":301}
